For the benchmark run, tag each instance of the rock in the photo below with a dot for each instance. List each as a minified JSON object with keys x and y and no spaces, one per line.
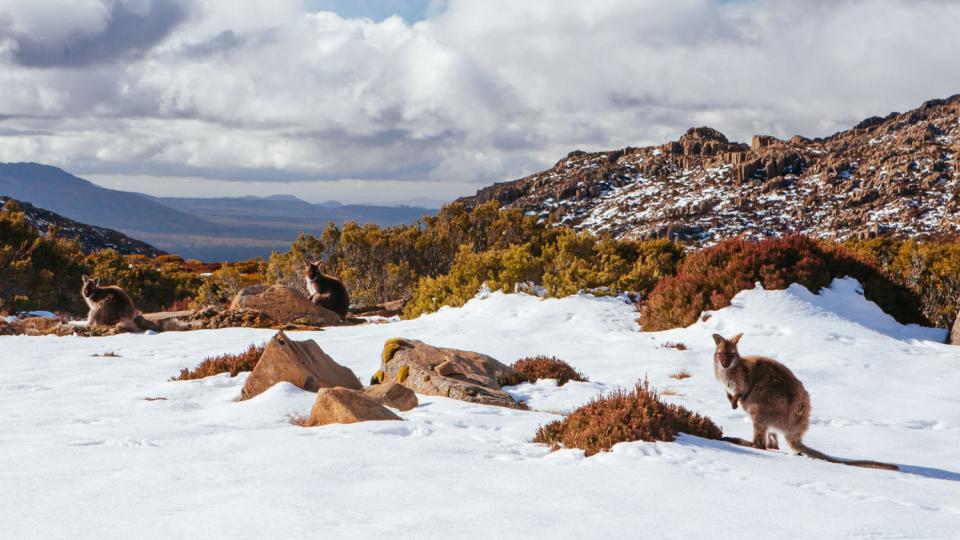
{"x":386,"y":309}
{"x":284,"y":305}
{"x":955,"y":334}
{"x":345,"y":406}
{"x":393,"y":394}
{"x":301,"y":363}
{"x":437,"y":371}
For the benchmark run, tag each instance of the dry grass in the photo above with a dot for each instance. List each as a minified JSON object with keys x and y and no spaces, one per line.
{"x":681,"y":375}
{"x":299,"y":420}
{"x":670,"y":392}
{"x":672,"y":345}
{"x":154,"y":399}
{"x":225,"y":363}
{"x":108,"y":354}
{"x":622,"y":416}
{"x":547,"y":367}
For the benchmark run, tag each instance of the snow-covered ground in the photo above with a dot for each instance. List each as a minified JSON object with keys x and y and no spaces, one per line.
{"x":84,"y":454}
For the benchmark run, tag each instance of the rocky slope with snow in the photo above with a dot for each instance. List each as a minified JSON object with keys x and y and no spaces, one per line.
{"x":108,"y":447}
{"x":896,"y":175}
{"x":89,"y":237}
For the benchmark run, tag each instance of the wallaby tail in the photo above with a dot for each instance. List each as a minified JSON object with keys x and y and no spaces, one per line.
{"x":798,"y":446}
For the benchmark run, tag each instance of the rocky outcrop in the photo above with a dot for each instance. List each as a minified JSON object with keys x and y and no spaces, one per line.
{"x":439,"y":371}
{"x":301,"y":363}
{"x":284,"y":305}
{"x":345,"y":406}
{"x":393,"y":395}
{"x":955,"y":333}
{"x":895,"y":175}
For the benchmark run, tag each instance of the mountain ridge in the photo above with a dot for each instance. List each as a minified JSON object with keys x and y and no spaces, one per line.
{"x":886,"y":175}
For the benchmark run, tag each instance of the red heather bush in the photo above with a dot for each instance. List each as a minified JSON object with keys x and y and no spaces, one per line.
{"x":544,"y":367}
{"x":709,"y":279}
{"x":622,"y":416}
{"x":225,"y":363}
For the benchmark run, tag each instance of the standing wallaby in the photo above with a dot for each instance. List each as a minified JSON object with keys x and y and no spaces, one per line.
{"x":327,"y":291}
{"x":112,"y":306}
{"x":773,"y":397}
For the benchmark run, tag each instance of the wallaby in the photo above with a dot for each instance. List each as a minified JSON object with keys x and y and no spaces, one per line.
{"x":773,"y":397}
{"x":112,"y":306}
{"x":327,"y":291}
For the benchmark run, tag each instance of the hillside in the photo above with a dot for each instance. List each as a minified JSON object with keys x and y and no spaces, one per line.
{"x":182,"y":458}
{"x":896,"y":175}
{"x":89,"y":238}
{"x":222,"y":229}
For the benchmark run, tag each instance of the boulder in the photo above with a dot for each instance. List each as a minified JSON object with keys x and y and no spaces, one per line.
{"x":955,"y":334}
{"x":301,"y":363}
{"x":393,"y":394}
{"x":345,"y":406}
{"x":283,"y":305}
{"x":437,"y":371}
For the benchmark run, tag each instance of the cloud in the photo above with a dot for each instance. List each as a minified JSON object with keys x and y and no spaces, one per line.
{"x":95,"y":32}
{"x":477,"y":92}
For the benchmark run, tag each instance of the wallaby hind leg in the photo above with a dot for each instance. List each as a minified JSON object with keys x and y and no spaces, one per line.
{"x":760,"y":436}
{"x":772,"y":441}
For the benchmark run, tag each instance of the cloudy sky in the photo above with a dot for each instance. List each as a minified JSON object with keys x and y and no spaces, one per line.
{"x":360,"y":100}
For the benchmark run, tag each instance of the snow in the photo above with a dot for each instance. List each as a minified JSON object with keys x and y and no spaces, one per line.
{"x":84,"y":454}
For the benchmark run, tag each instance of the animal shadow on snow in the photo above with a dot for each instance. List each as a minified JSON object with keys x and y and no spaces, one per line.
{"x":689,"y":440}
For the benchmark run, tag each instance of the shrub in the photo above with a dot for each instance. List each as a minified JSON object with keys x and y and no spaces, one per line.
{"x":709,"y":279}
{"x":547,"y":367}
{"x":931,"y":269}
{"x":37,"y":271}
{"x":681,"y":375}
{"x":624,"y":416}
{"x":225,"y":363}
{"x":672,"y":345}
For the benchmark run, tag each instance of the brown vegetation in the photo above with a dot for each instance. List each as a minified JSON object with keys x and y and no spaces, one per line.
{"x":681,"y":375}
{"x":547,"y":367}
{"x":623,"y":416}
{"x":708,"y":279}
{"x":225,"y":363}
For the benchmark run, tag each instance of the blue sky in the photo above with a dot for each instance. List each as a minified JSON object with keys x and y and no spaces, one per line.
{"x":410,"y":10}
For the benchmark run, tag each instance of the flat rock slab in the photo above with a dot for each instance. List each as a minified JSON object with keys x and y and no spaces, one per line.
{"x":346,"y":406}
{"x":438,"y":371}
{"x":301,"y":363}
{"x":284,"y":305}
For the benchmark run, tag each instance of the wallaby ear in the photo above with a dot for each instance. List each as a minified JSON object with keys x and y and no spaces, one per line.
{"x":735,"y":339}
{"x":96,"y":282}
{"x":718,"y":339}
{"x":86,"y":278}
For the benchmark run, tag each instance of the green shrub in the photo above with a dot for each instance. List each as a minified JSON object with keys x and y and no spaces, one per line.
{"x":709,"y":279}
{"x":624,"y":416}
{"x":37,"y":271}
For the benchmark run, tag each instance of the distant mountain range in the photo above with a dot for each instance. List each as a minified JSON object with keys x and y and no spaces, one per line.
{"x":222,"y":229}
{"x":89,"y":238}
{"x":894,"y":175}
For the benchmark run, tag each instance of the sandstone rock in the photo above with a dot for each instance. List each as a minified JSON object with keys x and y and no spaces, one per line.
{"x":393,"y":394}
{"x":437,"y":371}
{"x":301,"y":363}
{"x":283,"y":304}
{"x":345,"y":406}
